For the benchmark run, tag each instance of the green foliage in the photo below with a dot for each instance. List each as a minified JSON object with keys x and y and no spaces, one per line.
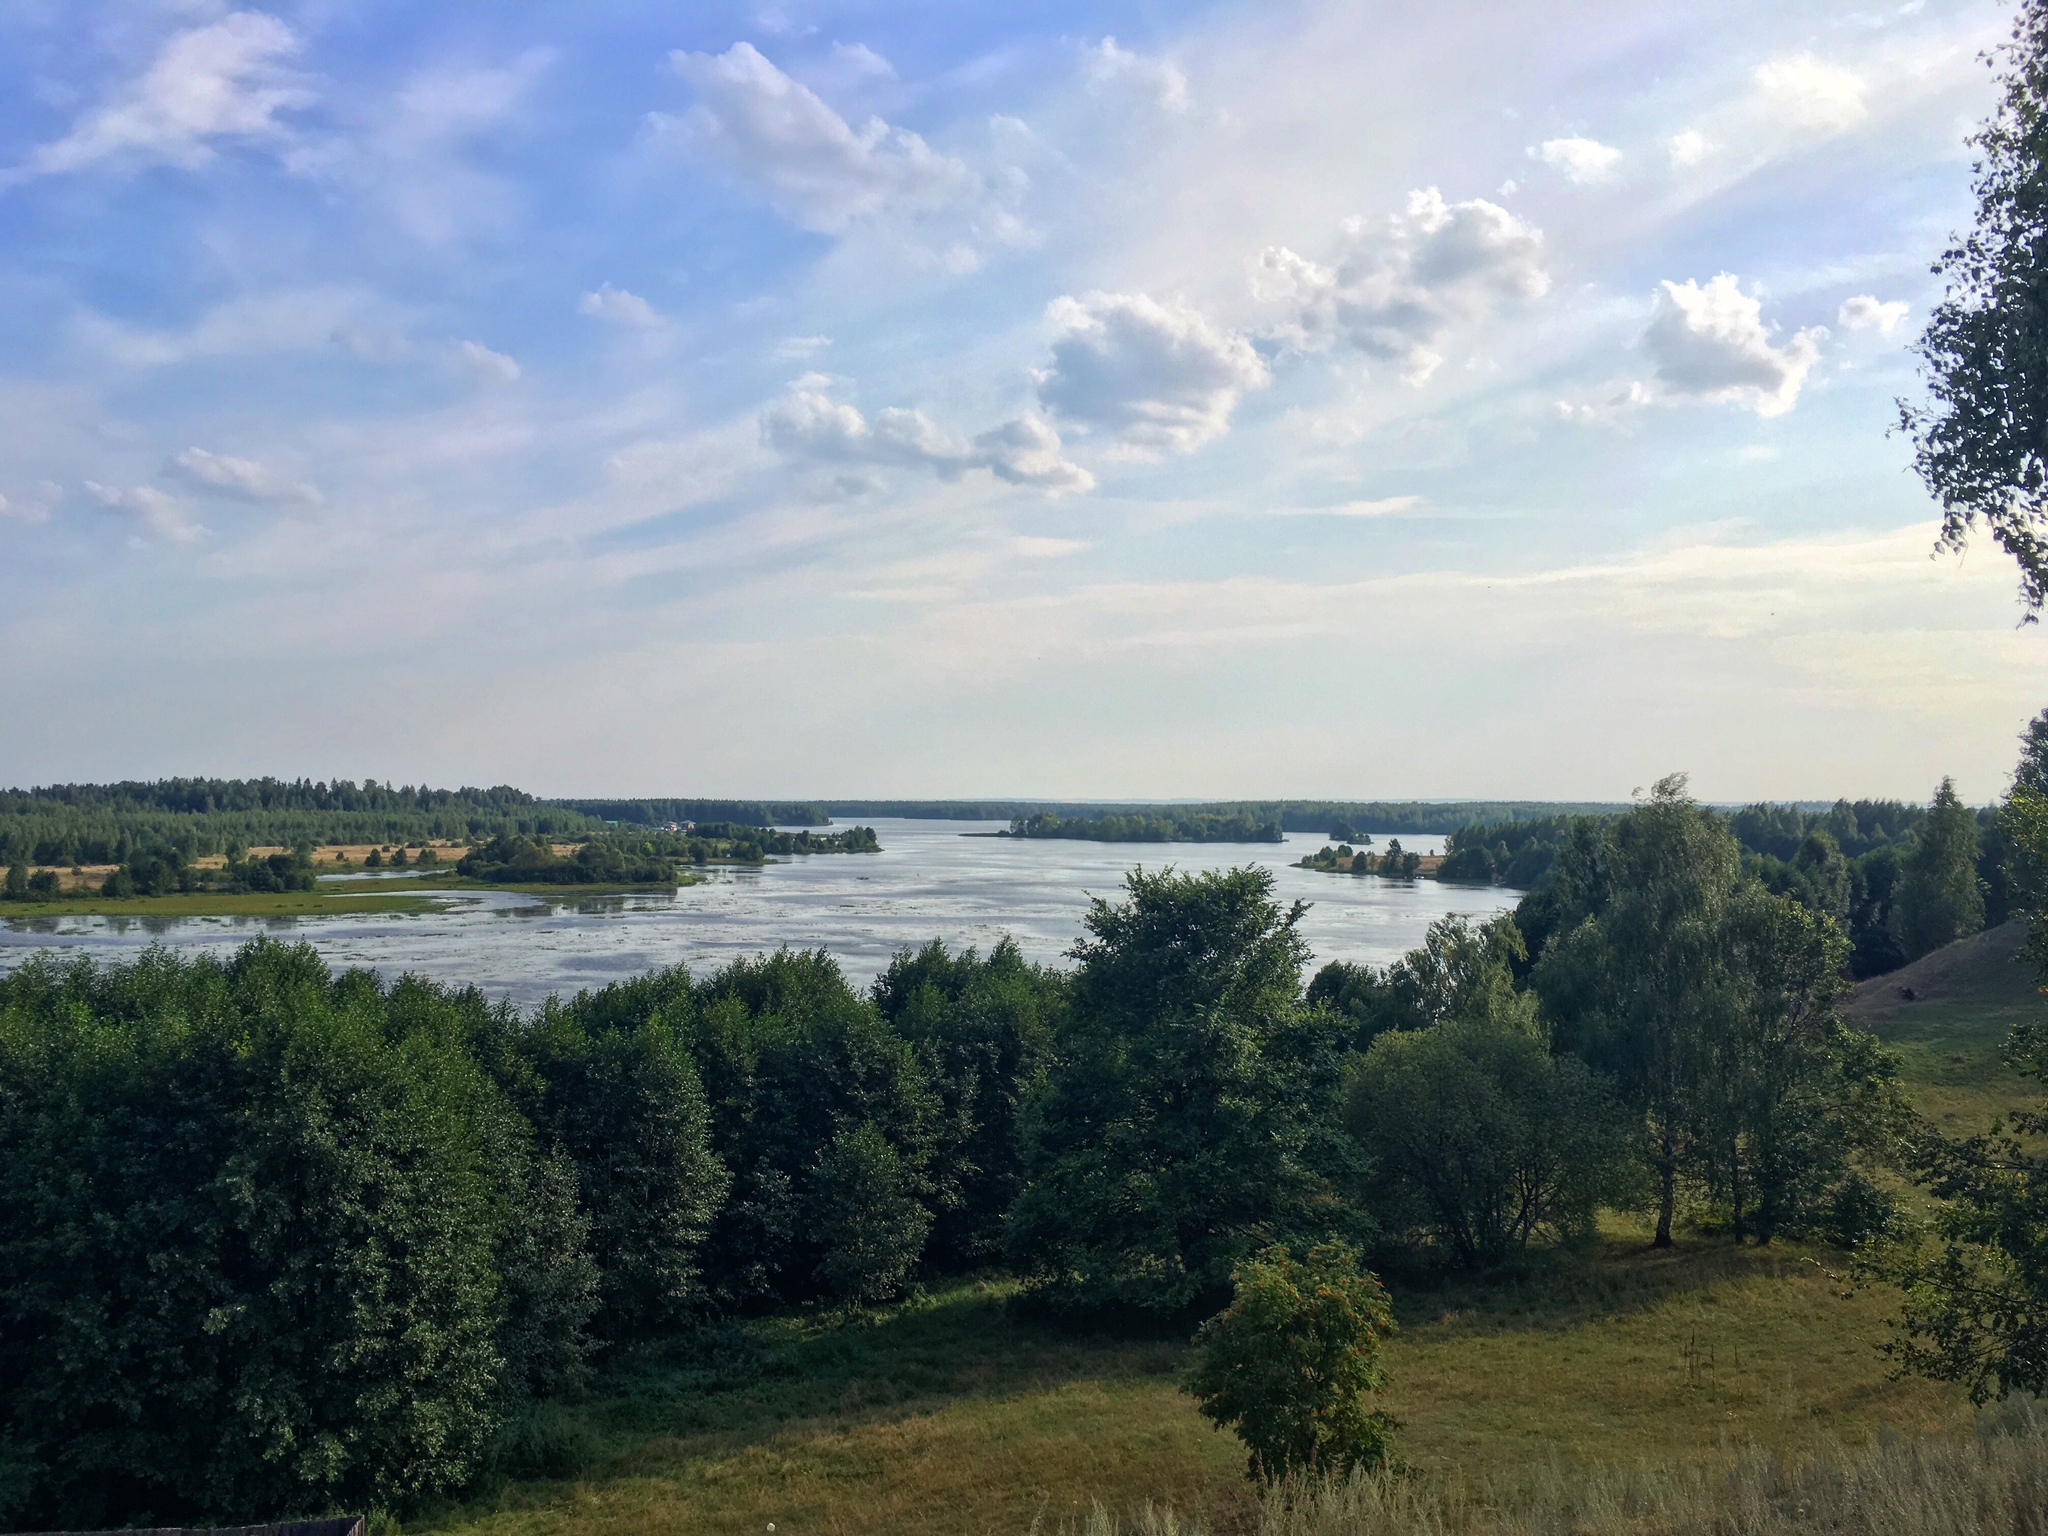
{"x":1976,"y":1292}
{"x":246,"y":1245}
{"x":982,"y":1029}
{"x":1159,"y":827}
{"x":1483,"y":1141}
{"x":1187,"y":1116}
{"x":1458,"y":972}
{"x":1984,"y":353}
{"x":1290,"y":1363}
{"x":600,"y":861}
{"x":16,"y":888}
{"x":872,"y":1227}
{"x":624,"y":1105}
{"x":105,"y":823}
{"x":1939,"y":897}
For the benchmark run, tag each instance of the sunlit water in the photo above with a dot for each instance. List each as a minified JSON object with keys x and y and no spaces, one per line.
{"x":929,"y":881}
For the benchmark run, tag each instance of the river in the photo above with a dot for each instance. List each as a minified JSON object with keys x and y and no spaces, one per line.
{"x":929,"y":881}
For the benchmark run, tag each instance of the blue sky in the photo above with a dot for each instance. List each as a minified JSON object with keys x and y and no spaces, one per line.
{"x":1123,"y":400}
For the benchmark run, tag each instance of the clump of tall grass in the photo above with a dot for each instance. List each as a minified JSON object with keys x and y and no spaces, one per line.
{"x":1995,"y":1484}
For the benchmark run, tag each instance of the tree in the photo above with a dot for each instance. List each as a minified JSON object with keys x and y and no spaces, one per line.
{"x":871,"y":1227}
{"x":624,"y":1103}
{"x":2032,"y":773}
{"x":246,"y":1246}
{"x":1826,"y":873}
{"x":1289,"y":1365}
{"x":981,"y":1027}
{"x":1794,"y":1103}
{"x":1979,"y":444}
{"x":17,"y":881}
{"x":1636,"y":972}
{"x":1187,"y":1116}
{"x":1482,"y":1140}
{"x":1939,"y":897}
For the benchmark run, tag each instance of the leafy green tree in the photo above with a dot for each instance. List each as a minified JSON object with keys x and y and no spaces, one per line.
{"x":1796,"y":1108}
{"x":246,"y":1246}
{"x":1826,"y":874}
{"x":871,"y":1227}
{"x":626,"y":1107}
{"x":1291,"y":1363}
{"x":1482,"y":1140}
{"x":2032,"y":773}
{"x":1459,"y":971}
{"x":1939,"y":897}
{"x":1636,"y":975}
{"x":790,"y":1055}
{"x":1187,"y":1117}
{"x":982,"y":1028}
{"x":1984,"y":353}
{"x":17,"y":881}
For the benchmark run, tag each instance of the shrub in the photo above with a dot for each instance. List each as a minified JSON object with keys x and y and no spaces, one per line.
{"x":1289,"y":1364}
{"x":1484,"y":1140}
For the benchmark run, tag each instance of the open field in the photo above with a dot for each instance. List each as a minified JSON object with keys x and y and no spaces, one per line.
{"x":956,"y":1415}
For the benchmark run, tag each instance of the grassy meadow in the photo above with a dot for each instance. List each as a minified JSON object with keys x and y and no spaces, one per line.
{"x":957,"y":1413}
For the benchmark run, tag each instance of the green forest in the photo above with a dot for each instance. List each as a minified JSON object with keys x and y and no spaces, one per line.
{"x":276,"y":1239}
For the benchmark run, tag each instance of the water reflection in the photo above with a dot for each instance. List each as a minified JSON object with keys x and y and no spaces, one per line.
{"x":929,"y":881}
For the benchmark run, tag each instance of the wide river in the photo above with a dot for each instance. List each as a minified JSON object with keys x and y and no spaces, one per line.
{"x":929,"y":881}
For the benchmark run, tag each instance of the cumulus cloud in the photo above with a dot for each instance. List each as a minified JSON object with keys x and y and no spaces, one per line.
{"x":1155,"y":376}
{"x":1866,"y":313}
{"x":618,"y":306}
{"x":1581,"y":160}
{"x":1811,"y":93}
{"x":808,"y":424}
{"x":810,"y":163}
{"x":1400,"y":290}
{"x":1709,"y":342}
{"x":495,"y":366}
{"x":1157,"y":80}
{"x":1609,"y":408}
{"x":1688,"y":147}
{"x":222,"y":81}
{"x":157,"y":511}
{"x":244,"y":479}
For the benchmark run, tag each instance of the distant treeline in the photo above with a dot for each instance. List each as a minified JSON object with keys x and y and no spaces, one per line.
{"x":111,"y":823}
{"x":745,"y":813}
{"x":1845,"y":861}
{"x":1158,"y":827}
{"x":1428,"y":816}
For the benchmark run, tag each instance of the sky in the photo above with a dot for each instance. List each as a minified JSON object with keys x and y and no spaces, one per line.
{"x":1116,"y":400}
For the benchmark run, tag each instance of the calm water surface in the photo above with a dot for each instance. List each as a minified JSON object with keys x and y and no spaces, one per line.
{"x":929,"y":881}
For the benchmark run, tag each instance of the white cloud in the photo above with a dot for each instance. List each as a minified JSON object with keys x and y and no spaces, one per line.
{"x":793,"y":348}
{"x":1612,"y":407}
{"x":808,"y":424}
{"x":815,"y":168}
{"x":162,"y":514}
{"x":1159,"y":80}
{"x":618,"y":306}
{"x":1810,"y":93}
{"x":1034,"y":548}
{"x":492,"y":365}
{"x":1156,"y":376}
{"x":1581,"y":160}
{"x":220,"y":81}
{"x":1709,"y":342}
{"x":1398,"y":293}
{"x":1384,"y":506}
{"x":243,"y":479}
{"x":1866,"y":313}
{"x":1688,"y":147}
{"x":860,"y":59}
{"x":1027,"y":452}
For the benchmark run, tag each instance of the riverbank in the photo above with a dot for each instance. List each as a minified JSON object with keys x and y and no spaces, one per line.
{"x":334,"y":897}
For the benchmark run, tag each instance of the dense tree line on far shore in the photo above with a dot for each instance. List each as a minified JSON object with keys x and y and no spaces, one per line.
{"x":1155,"y":827}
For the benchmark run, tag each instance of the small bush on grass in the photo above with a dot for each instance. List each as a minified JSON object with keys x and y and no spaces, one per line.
{"x":1289,"y":1363}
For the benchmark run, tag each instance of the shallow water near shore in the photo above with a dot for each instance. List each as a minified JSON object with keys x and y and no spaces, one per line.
{"x":929,"y":881}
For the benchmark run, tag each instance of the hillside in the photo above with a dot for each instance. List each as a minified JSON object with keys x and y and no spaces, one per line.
{"x":1946,"y":1015}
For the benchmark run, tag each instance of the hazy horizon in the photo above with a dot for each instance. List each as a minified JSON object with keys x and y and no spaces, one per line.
{"x":1132,"y":402}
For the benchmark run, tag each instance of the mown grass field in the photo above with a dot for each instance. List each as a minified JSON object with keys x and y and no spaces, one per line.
{"x":956,"y":1414}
